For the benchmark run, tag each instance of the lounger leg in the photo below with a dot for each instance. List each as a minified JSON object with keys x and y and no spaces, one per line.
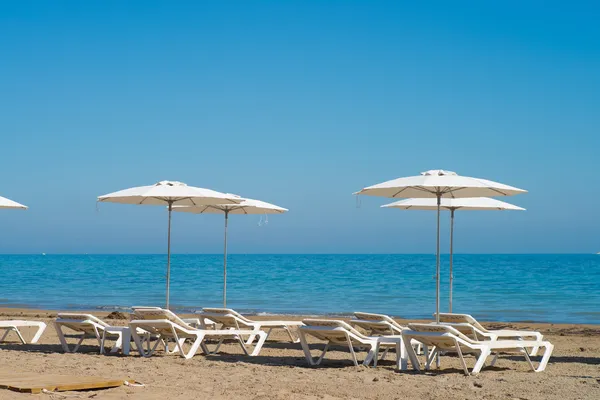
{"x":118,"y":344}
{"x":193,"y":349}
{"x":204,"y":348}
{"x":38,"y":334}
{"x":78,"y":344}
{"x":63,"y":340}
{"x":292,"y":338}
{"x":139,"y":344}
{"x":322,"y":356}
{"x":401,"y":353}
{"x":305,"y":348}
{"x":179,"y":343}
{"x":539,"y":337}
{"x":429,"y":357}
{"x":13,"y":328}
{"x":250,"y":339}
{"x":374,"y":355}
{"x":385,"y":352}
{"x":255,"y":329}
{"x":98,"y":336}
{"x":262,"y":337}
{"x":549,"y":347}
{"x":20,"y":336}
{"x":269,"y":332}
{"x":414,"y":360}
{"x":369,"y":356}
{"x":485,"y":352}
{"x":494,"y":359}
{"x":462,"y":358}
{"x":102,"y":344}
{"x":241,"y":343}
{"x":217,"y":347}
{"x":527,"y":358}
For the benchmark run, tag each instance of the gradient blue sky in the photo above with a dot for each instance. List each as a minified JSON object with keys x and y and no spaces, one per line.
{"x":298,"y":103}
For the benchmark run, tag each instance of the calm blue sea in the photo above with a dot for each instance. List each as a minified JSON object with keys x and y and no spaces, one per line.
{"x":550,"y":288}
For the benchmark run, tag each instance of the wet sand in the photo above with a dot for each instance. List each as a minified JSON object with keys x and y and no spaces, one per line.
{"x":281,"y":372}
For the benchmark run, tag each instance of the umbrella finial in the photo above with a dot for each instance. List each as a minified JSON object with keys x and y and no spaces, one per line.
{"x":438,"y":172}
{"x":169,"y":183}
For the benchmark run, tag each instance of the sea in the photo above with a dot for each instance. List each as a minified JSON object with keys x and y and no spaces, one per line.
{"x":537,"y":288}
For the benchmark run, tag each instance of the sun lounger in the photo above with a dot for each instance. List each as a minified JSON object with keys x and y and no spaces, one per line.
{"x":445,"y":338}
{"x":483,"y":333}
{"x":84,"y":326}
{"x":342,"y":333}
{"x":167,"y":326}
{"x":195,"y":322}
{"x":14,"y":325}
{"x":380,"y":325}
{"x":229,"y":318}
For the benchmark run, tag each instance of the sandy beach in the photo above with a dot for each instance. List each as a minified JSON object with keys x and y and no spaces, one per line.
{"x":281,"y":372}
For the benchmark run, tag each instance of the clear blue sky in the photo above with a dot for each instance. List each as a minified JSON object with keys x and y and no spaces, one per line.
{"x":298,"y":103}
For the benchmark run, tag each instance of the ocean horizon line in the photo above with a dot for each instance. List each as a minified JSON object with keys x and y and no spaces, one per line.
{"x":292,"y":254}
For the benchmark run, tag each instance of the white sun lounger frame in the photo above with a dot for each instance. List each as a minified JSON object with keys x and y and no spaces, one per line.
{"x":341,"y":333}
{"x":380,"y":325}
{"x":88,"y":326}
{"x":14,"y":325}
{"x":482,"y":332}
{"x":446,"y":338}
{"x":195,"y":322}
{"x":229,"y":318}
{"x":168,"y":326}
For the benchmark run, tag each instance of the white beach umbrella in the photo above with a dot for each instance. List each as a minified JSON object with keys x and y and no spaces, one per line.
{"x":8,"y":203}
{"x":439,"y":184}
{"x":470,"y":203}
{"x":168,"y":193}
{"x":247,"y":206}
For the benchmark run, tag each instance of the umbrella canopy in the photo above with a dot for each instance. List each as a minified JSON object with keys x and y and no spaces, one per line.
{"x":470,"y":203}
{"x":247,"y":206}
{"x":170,"y":193}
{"x":439,"y":184}
{"x":7,"y":203}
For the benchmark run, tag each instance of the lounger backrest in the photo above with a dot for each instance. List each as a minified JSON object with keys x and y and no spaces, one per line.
{"x":160,"y":314}
{"x":132,"y":316}
{"x":78,"y":322}
{"x":378,"y":317}
{"x":441,"y":329}
{"x":467,"y":329}
{"x":226,"y":316}
{"x":80,"y":318}
{"x":331,"y":323}
{"x":461,"y":319}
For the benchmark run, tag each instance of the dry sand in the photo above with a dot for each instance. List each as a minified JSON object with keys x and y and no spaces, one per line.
{"x":281,"y":372}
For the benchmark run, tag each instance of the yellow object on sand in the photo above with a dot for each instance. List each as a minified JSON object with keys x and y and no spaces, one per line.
{"x":36,"y":383}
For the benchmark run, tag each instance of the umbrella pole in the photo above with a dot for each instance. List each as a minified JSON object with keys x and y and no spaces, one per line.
{"x":225,"y":262}
{"x":169,"y":253}
{"x":451,"y":253}
{"x":437,"y":266}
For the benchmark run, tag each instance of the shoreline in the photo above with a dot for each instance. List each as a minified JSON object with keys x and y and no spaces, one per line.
{"x":562,"y":329}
